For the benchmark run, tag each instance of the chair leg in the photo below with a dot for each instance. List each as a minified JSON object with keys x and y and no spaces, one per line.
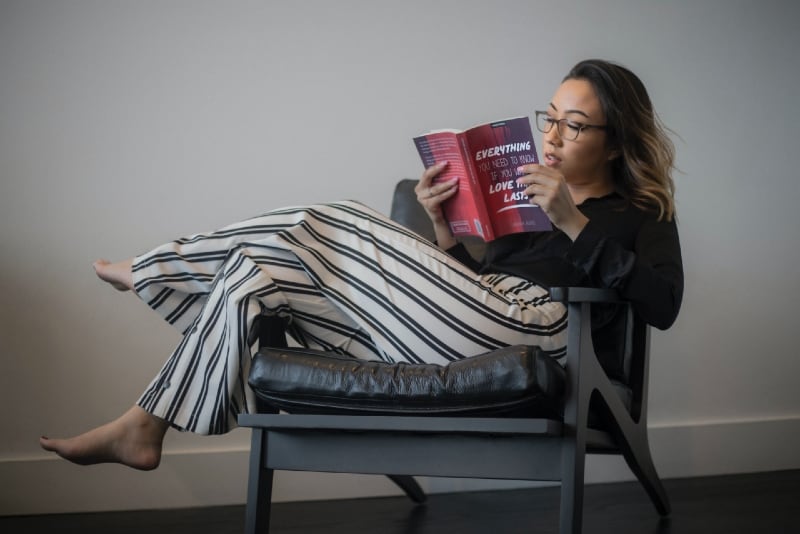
{"x":259,"y":487}
{"x":410,"y":487}
{"x":637,"y":454}
{"x":573,"y":462}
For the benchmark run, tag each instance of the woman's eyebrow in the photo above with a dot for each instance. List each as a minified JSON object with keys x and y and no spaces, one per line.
{"x":579,"y":112}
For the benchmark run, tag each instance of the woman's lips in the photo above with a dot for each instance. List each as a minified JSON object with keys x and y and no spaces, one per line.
{"x":551,"y":161}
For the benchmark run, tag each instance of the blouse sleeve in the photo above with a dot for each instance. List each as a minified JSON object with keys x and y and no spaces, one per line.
{"x":460,"y":252}
{"x":650,"y":276}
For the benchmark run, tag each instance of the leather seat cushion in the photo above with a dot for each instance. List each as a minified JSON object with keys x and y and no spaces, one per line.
{"x":517,"y":380}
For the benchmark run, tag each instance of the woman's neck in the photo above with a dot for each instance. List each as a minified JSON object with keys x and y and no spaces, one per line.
{"x":580,"y":192}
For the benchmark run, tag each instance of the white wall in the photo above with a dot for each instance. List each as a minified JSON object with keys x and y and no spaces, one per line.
{"x":125,"y":124}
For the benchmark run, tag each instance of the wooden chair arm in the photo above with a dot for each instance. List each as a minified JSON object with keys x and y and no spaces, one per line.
{"x":584,"y":294}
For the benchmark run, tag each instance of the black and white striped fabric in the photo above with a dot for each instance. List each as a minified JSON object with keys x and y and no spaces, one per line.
{"x":345,"y":279}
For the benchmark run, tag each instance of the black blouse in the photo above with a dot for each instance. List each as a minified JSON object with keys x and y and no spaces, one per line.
{"x":622,"y":247}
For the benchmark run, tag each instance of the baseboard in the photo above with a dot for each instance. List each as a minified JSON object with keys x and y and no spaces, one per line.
{"x":45,"y":485}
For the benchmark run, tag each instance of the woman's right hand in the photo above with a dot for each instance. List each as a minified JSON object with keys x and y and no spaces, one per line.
{"x":431,"y":196}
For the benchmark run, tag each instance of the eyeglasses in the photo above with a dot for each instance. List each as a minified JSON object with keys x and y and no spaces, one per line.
{"x":567,"y":129}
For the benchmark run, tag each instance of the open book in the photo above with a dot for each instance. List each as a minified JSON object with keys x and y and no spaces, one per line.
{"x":489,"y":203}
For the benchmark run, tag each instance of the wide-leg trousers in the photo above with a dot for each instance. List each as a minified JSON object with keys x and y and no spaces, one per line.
{"x":344,"y":278}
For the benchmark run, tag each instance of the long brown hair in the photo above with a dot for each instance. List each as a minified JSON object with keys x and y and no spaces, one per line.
{"x":643,"y":171}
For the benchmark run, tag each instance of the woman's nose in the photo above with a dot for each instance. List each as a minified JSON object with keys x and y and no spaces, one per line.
{"x":553,"y":136}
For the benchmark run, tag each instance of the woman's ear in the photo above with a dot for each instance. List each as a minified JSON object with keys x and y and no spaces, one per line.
{"x":613,"y":154}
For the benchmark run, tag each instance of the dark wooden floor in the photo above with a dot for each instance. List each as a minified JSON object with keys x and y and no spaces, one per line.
{"x":756,"y":503}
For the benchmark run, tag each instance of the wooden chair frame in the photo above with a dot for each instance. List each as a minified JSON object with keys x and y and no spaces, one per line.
{"x":476,"y":447}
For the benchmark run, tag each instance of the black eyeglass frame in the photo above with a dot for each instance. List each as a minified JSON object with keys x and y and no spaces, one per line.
{"x":575,"y":126}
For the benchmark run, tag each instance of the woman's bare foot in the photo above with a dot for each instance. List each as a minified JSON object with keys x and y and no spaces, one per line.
{"x":134,"y":439}
{"x":117,"y":274}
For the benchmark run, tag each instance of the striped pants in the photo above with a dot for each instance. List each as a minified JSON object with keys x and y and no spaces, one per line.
{"x":344,"y":278}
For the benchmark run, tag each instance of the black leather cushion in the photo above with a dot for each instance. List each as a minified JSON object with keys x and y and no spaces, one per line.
{"x":514,"y":380}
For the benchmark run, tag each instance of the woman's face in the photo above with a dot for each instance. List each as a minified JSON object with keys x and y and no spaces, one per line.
{"x":586,"y":160}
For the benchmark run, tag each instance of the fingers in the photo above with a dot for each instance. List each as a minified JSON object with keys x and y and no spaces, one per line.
{"x":431,"y":195}
{"x":535,"y":173}
{"x":427,"y":177}
{"x":436,"y":193}
{"x":444,"y":190}
{"x":545,"y":188}
{"x":536,"y":182}
{"x":548,"y":189}
{"x":427,"y":190}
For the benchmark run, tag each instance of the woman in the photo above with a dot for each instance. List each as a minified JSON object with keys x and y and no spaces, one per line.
{"x":347,"y":279}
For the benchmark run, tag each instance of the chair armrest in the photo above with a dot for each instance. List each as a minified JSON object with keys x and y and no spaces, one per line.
{"x":586,"y":374}
{"x":583,"y":294}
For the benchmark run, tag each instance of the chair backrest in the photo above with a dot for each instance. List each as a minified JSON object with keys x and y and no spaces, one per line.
{"x":408,"y":212}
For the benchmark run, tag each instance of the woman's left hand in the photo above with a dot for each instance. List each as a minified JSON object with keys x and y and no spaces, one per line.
{"x":548,"y":189}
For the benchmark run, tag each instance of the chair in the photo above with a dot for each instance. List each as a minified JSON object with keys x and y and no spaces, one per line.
{"x":594,"y":414}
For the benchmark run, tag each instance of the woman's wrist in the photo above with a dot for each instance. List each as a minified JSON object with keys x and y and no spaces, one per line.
{"x":444,"y":237}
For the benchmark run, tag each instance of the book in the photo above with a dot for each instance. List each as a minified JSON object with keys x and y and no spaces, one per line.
{"x":489,"y":202}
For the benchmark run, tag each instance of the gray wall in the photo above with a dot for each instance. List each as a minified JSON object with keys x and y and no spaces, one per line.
{"x":125,"y":124}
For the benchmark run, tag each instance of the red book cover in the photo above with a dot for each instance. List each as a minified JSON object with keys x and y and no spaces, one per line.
{"x":489,"y":203}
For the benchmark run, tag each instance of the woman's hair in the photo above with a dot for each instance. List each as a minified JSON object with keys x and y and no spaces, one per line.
{"x":643,"y":170}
